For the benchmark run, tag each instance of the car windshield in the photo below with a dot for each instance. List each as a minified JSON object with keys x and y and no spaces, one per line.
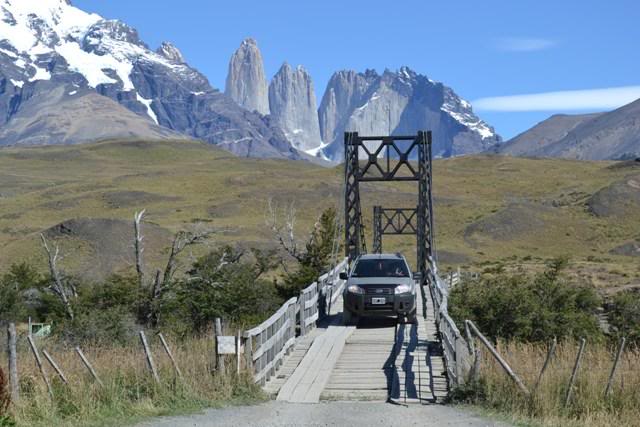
{"x":381,"y":268}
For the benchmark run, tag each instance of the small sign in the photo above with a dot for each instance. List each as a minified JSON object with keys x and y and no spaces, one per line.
{"x":226,"y":345}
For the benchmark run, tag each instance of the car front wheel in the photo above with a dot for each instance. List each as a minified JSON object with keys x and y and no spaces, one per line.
{"x":348,"y":318}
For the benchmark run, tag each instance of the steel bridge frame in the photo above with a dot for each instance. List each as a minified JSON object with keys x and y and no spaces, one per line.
{"x":392,"y":222}
{"x":398,"y":164}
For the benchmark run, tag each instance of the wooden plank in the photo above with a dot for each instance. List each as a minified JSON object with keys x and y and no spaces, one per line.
{"x":321,"y":379}
{"x":289,"y":387}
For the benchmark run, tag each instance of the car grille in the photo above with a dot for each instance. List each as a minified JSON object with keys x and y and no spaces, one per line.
{"x":379,"y":290}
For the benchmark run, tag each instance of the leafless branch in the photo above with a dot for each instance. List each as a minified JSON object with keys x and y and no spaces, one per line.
{"x":137,"y":244}
{"x":57,"y":286}
{"x":284,"y":233}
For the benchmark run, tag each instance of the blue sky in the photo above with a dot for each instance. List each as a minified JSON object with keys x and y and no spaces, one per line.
{"x":482,"y":49}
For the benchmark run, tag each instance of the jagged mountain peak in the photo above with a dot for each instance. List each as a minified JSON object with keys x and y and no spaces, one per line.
{"x":401,"y":101}
{"x":50,"y":46}
{"x":246,"y":82}
{"x":293,"y":106}
{"x":249,"y":42}
{"x":170,"y":52}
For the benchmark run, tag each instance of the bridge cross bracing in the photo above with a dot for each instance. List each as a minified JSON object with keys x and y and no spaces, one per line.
{"x":382,"y":360}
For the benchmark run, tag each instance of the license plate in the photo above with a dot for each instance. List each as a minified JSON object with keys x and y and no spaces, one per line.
{"x":378,"y":301}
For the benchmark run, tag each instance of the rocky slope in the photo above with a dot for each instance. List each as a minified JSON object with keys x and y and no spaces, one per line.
{"x":545,"y":133}
{"x":56,"y":116}
{"x":606,"y":136}
{"x":49,"y":43}
{"x":246,"y":82}
{"x":401,"y":102}
{"x":293,"y":104}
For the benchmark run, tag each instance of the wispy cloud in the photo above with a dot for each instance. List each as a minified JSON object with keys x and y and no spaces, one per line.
{"x":569,"y":100}
{"x":523,"y":44}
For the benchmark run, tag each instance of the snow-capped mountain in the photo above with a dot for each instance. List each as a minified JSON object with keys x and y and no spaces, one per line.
{"x":45,"y":44}
{"x":401,"y":102}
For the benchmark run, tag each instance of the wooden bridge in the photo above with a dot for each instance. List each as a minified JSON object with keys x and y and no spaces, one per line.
{"x":303,"y":353}
{"x":376,"y":360}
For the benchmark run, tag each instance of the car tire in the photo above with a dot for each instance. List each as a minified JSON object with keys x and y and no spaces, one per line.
{"x":412,"y":317}
{"x":348,"y":318}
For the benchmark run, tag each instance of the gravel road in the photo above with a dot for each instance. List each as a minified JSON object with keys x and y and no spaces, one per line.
{"x":326,"y":414}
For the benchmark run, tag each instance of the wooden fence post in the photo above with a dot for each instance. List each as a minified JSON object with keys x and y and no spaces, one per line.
{"x":86,"y":363}
{"x":219,"y":357}
{"x":473,"y":350}
{"x":12,"y":355}
{"x":499,"y":358}
{"x":248,"y":354}
{"x":574,"y":374}
{"x":550,"y":353}
{"x":171,"y":358}
{"x":238,"y":348}
{"x":149,"y":356}
{"x":43,"y":372}
{"x":607,"y":391}
{"x":55,"y":366}
{"x":301,"y":302}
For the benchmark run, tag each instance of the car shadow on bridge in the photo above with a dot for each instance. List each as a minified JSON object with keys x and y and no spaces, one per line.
{"x":417,"y":384}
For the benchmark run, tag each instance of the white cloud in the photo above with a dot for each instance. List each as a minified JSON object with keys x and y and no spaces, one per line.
{"x":524,"y":44}
{"x":589,"y":99}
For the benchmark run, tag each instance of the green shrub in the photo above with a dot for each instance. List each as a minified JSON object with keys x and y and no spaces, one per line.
{"x":220,"y":284}
{"x":104,"y":312}
{"x":524,"y":308}
{"x":19,"y":293}
{"x":624,"y":315}
{"x":316,"y":258}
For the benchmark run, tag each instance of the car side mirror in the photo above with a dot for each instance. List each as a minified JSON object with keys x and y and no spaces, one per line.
{"x":417,"y":275}
{"x":344,"y":276}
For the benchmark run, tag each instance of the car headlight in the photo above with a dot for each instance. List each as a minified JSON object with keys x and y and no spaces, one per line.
{"x":355,"y":289}
{"x":402,"y":289}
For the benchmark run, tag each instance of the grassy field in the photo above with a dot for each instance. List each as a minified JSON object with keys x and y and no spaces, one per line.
{"x":512,"y":211}
{"x":546,"y":407}
{"x":129,"y":393}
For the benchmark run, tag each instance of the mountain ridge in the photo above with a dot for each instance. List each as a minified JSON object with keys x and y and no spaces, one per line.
{"x":50,"y":42}
{"x":612,"y":135}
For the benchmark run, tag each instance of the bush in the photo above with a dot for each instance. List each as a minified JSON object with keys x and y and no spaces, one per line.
{"x":104,"y":312}
{"x":531,"y":309}
{"x":624,"y":315}
{"x":19,"y":293}
{"x":316,"y":258}
{"x":220,"y":284}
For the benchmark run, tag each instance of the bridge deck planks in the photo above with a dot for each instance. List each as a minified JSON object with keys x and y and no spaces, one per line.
{"x":377,"y":361}
{"x":308,"y":381}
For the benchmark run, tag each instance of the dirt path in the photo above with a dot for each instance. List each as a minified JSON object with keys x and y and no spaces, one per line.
{"x":365,"y":414}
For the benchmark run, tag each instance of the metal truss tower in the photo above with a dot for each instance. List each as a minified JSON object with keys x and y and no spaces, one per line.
{"x":389,"y":159}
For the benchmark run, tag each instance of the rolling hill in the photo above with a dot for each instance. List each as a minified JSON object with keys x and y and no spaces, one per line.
{"x":488,"y":208}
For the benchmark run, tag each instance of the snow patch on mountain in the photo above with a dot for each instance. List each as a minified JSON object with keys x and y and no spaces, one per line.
{"x":461,"y":111}
{"x":147,"y":103}
{"x":92,"y":66}
{"x":91,"y":45}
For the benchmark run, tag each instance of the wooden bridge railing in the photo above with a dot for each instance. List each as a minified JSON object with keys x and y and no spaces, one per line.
{"x":266,"y":345}
{"x":456,"y":350}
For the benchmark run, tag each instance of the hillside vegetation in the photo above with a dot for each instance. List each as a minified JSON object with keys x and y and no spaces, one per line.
{"x":511,"y":211}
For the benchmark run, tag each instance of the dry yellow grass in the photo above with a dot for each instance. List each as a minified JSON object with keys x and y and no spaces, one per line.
{"x":588,"y":407}
{"x":129,"y":392}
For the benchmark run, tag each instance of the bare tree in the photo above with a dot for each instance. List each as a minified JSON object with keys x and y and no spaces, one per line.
{"x":137,"y":244}
{"x":284,"y":233}
{"x":181,"y":241}
{"x":57,"y":286}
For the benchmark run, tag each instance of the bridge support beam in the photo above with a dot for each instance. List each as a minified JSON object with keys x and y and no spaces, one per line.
{"x":389,"y":159}
{"x":393,"y":222}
